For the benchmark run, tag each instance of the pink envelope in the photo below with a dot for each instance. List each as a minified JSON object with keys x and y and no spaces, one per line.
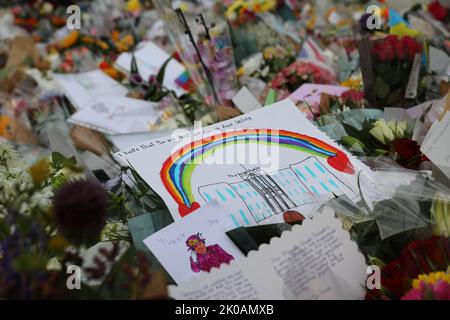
{"x":310,"y":92}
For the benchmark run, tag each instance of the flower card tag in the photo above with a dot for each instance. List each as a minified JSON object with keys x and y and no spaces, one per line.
{"x":315,"y":261}
{"x":245,"y":101}
{"x":439,"y":61}
{"x":411,"y":88}
{"x":420,"y":24}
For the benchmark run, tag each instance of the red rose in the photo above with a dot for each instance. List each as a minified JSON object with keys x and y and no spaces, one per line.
{"x":422,"y":256}
{"x":401,"y":48}
{"x":385,"y":51}
{"x":406,"y":148}
{"x":393,"y":279}
{"x":437,"y":10}
{"x":412,"y":46}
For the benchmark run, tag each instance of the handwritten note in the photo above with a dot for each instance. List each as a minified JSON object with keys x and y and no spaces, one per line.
{"x":311,"y":93}
{"x":117,"y":115}
{"x":177,"y":247}
{"x":235,"y":161}
{"x":83,"y":89}
{"x":314,"y":261}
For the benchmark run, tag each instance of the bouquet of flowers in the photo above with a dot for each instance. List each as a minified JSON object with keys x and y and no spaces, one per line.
{"x":298,"y":73}
{"x":439,"y":11}
{"x":351,"y":99}
{"x":380,"y":138}
{"x":393,"y":58}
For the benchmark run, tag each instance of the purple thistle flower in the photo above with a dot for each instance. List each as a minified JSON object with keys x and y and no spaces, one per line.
{"x":80,"y":211}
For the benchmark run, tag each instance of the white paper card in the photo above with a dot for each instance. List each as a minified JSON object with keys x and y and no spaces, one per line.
{"x":196,"y":244}
{"x":83,"y":89}
{"x":245,"y":101}
{"x":395,"y":114}
{"x":315,"y":261}
{"x":258,"y":166}
{"x":117,"y":115}
{"x":149,"y":59}
{"x":439,"y":61}
{"x":435,"y":145}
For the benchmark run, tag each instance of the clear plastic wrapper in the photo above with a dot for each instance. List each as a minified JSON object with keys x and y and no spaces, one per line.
{"x":397,"y":207}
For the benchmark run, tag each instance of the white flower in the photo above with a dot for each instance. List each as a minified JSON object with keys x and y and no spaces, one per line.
{"x":382,"y":132}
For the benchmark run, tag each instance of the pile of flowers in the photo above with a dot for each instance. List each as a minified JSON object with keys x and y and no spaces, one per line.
{"x":49,"y":215}
{"x":240,"y":11}
{"x":421,"y":272}
{"x":298,"y":73}
{"x":391,"y":139}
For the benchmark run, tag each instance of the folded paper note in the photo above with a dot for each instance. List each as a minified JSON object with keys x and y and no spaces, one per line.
{"x":435,"y":144}
{"x":258,"y":166}
{"x":311,"y":93}
{"x":149,"y":59}
{"x":314,"y":261}
{"x":196,"y":244}
{"x":117,"y":115}
{"x":82,"y":89}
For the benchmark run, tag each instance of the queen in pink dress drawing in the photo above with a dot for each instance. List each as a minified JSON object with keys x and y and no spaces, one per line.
{"x":204,"y":258}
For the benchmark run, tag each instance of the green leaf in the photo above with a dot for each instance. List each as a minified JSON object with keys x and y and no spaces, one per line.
{"x":162,"y":71}
{"x":29,"y":262}
{"x":59,"y":161}
{"x":271,"y":97}
{"x":134,"y":68}
{"x":382,"y":89}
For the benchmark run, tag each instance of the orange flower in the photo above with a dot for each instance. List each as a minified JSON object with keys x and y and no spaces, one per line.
{"x":69,"y":41}
{"x":4,"y":125}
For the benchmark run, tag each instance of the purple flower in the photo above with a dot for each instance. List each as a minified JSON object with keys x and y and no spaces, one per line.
{"x":80,"y":211}
{"x":153,"y":82}
{"x":136,"y":79}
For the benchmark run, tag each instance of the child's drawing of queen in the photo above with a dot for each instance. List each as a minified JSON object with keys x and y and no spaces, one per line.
{"x":204,"y":258}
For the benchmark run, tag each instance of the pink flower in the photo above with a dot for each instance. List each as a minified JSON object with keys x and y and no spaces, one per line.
{"x":437,"y":291}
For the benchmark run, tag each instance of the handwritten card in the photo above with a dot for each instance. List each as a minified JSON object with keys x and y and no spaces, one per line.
{"x":258,"y":166}
{"x":315,"y":261}
{"x":149,"y":59}
{"x":195,"y":245}
{"x":82,"y":89}
{"x":311,"y":93}
{"x":117,"y":115}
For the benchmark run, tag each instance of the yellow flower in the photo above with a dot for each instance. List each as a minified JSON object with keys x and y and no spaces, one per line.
{"x":57,"y":243}
{"x":440,"y":211}
{"x":353,"y":83}
{"x":431,"y":278}
{"x":40,"y":171}
{"x":269,"y":53}
{"x":133,"y":5}
{"x":240,"y":72}
{"x":4,"y":125}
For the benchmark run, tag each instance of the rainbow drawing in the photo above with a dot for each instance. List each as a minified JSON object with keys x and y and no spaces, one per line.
{"x":177,"y":170}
